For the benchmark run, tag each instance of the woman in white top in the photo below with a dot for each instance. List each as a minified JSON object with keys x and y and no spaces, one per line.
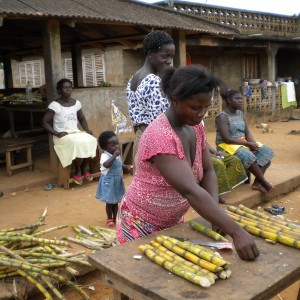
{"x":60,"y":120}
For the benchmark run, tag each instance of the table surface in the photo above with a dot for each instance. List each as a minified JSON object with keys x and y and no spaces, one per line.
{"x":276,"y":268}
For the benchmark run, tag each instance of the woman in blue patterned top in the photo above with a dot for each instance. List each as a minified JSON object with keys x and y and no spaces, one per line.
{"x":145,"y":99}
{"x":234,"y":136}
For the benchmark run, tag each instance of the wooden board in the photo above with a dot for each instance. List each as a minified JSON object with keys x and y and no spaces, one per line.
{"x":276,"y":268}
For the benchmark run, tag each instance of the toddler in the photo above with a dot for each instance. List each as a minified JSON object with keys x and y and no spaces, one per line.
{"x":111,"y":186}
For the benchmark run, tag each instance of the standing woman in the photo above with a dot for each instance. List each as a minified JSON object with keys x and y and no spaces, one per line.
{"x":233,"y":133}
{"x":145,"y":99}
{"x":60,"y":120}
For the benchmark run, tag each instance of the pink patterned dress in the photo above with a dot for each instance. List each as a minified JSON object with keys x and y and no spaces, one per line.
{"x":150,"y":203}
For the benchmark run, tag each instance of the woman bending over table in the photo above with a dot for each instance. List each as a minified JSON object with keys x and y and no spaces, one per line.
{"x":70,"y":144}
{"x":174,"y":169}
{"x":234,"y":136}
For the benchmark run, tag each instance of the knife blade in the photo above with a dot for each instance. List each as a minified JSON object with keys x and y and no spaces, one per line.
{"x":218,"y":245}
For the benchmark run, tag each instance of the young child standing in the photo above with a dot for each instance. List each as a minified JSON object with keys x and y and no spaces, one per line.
{"x":111,"y":186}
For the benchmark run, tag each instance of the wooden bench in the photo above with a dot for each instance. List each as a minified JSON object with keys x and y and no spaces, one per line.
{"x":9,"y":146}
{"x":65,"y":174}
{"x":126,"y":147}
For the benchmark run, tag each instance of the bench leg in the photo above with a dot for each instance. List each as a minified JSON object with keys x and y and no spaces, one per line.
{"x":9,"y":158}
{"x":29,"y":158}
{"x":63,"y":179}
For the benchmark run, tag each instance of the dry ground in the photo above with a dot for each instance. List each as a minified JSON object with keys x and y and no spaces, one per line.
{"x":78,"y":205}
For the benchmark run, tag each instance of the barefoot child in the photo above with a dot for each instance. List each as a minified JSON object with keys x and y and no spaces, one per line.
{"x":111,"y":186}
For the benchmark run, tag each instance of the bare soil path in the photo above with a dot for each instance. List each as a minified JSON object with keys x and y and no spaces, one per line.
{"x":79,"y":205}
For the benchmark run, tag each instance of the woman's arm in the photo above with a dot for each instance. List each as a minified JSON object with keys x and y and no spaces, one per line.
{"x":47,"y":123}
{"x":82,"y":121}
{"x":179,"y":175}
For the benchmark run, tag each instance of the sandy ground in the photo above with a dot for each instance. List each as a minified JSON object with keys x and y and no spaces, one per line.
{"x":78,"y":205}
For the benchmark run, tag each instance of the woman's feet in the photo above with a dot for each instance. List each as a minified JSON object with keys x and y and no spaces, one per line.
{"x":110,"y":223}
{"x":78,"y":179}
{"x":262,"y":188}
{"x":88,"y":177}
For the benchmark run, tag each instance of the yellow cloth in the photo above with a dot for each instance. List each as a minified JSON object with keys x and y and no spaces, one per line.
{"x":78,"y":144}
{"x":287,"y":95}
{"x":231,"y":148}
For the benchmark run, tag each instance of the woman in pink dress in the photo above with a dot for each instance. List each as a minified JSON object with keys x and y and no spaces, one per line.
{"x":174,"y":169}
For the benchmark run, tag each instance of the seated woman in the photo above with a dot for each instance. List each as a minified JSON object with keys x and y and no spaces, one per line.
{"x":173,"y":167}
{"x":60,"y":120}
{"x":234,"y":136}
{"x":229,"y":171}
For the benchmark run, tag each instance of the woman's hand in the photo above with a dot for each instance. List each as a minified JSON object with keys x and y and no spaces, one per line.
{"x":62,"y":134}
{"x":253,"y":146}
{"x":245,"y":245}
{"x":89,"y":132}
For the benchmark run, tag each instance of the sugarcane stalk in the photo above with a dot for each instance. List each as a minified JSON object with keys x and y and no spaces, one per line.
{"x":169,"y":255}
{"x":59,"y":257}
{"x":88,"y":244}
{"x":256,"y":218}
{"x":262,"y":226}
{"x":33,"y":240}
{"x":20,"y":228}
{"x":55,"y":291}
{"x":72,"y":271}
{"x":38,"y":223}
{"x":208,"y":232}
{"x":272,"y":236}
{"x":175,"y":269}
{"x":189,"y":256}
{"x":8,"y":274}
{"x":39,"y":233}
{"x":26,"y":267}
{"x":259,"y":214}
{"x":216,"y":260}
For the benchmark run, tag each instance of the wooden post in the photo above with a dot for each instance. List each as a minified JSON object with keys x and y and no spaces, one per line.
{"x":180,"y":48}
{"x":77,"y":65}
{"x":53,"y":71}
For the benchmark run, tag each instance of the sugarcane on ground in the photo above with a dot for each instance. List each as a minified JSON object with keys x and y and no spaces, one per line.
{"x":79,"y":206}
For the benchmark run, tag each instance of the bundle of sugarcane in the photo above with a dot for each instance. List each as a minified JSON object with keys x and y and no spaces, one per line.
{"x":24,"y":253}
{"x":195,"y":263}
{"x":271,"y":229}
{"x":208,"y":232}
{"x":95,"y":237}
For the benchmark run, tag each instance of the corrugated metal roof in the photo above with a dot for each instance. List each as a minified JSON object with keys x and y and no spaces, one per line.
{"x":115,"y":11}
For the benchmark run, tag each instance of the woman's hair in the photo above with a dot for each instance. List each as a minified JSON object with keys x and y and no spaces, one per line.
{"x":187,"y":81}
{"x":61,"y":82}
{"x":104,"y":137}
{"x":155,"y":40}
{"x":228,"y":94}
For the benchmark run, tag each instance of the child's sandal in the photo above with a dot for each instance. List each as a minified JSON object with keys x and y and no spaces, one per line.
{"x":110,"y":222}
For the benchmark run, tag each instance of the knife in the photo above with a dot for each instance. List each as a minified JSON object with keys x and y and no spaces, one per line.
{"x":218,"y":245}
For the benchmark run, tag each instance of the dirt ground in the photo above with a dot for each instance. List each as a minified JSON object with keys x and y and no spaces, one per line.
{"x":79,"y":205}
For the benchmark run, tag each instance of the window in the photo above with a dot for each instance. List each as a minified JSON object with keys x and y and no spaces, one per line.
{"x":68,"y":69}
{"x":30,"y":71}
{"x":93,"y":69}
{"x":251,"y":65}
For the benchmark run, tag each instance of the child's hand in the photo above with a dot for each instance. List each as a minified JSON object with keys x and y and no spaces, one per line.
{"x":117,"y":153}
{"x":128,"y":169}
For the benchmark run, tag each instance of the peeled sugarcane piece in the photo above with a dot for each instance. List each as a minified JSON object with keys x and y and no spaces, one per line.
{"x":261,"y":215}
{"x":32,"y":240}
{"x":189,"y":256}
{"x":175,"y":269}
{"x":36,"y":269}
{"x":270,"y":222}
{"x":208,"y":232}
{"x":272,"y":236}
{"x":216,"y":260}
{"x":262,"y":226}
{"x":182,"y":260}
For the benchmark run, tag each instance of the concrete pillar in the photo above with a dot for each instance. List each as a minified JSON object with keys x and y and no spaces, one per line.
{"x":271,"y":52}
{"x":53,"y":71}
{"x":180,"y":48}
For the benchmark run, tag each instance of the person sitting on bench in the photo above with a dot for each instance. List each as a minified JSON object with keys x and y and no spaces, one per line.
{"x":61,"y":120}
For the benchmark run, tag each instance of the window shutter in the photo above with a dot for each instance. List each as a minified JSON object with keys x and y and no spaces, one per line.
{"x":22,"y":75}
{"x":30,"y":71}
{"x":69,"y":69}
{"x":88,"y":77}
{"x":37,"y":74}
{"x":93,"y":69}
{"x":99,"y":69}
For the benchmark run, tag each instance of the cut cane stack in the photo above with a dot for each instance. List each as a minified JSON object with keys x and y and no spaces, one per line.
{"x":270,"y":228}
{"x":195,"y":263}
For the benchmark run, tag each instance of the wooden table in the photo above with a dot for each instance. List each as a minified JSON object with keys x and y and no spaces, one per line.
{"x":26,"y":108}
{"x":276,"y":268}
